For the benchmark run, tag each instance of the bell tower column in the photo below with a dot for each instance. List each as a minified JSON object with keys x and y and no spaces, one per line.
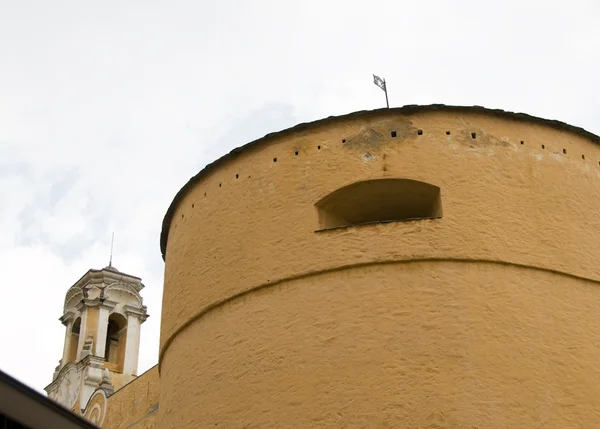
{"x":135,"y":317}
{"x":82,"y":308}
{"x":104,"y":309}
{"x":67,"y":319}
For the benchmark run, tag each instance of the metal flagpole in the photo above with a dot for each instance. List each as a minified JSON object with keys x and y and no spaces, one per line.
{"x":381,"y":84}
{"x":387,"y":103}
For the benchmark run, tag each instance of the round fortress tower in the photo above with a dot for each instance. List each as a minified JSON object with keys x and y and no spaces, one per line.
{"x":425,"y":266}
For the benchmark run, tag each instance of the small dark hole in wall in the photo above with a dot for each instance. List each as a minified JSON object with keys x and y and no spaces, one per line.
{"x":447,"y":133}
{"x":564,"y":150}
{"x":205,"y":194}
{"x":181,"y":216}
{"x":420,"y":132}
{"x":274,"y":159}
{"x":543,"y":147}
{"x":296,"y":153}
{"x":343,"y":140}
{"x":582,"y":156}
{"x":522,"y":142}
{"x":473,"y":135}
{"x":393,"y":133}
{"x":237,"y":176}
{"x":219,"y":185}
{"x":192,"y":205}
{"x":319,"y":147}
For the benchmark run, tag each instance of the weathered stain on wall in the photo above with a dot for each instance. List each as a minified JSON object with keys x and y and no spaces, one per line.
{"x":136,"y":404}
{"x":483,"y":318}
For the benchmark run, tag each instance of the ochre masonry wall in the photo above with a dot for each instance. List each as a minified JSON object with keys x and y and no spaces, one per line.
{"x":136,"y":404}
{"x":487,"y":317}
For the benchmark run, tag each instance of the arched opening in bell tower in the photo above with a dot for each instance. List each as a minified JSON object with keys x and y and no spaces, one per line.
{"x":74,"y":340}
{"x":116,"y":335}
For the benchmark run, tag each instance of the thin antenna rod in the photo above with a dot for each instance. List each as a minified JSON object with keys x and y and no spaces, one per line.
{"x":111,"y":249}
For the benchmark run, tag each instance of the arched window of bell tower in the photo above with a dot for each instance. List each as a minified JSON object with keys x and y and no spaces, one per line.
{"x":116,"y":335}
{"x":74,"y":340}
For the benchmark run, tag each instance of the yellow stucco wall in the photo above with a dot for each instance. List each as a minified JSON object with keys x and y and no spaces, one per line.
{"x":118,"y":379}
{"x":135,"y":405}
{"x":484,"y":318}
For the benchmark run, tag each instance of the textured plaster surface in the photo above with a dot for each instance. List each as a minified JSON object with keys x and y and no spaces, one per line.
{"x":135,"y":405}
{"x":411,"y":345}
{"x":266,"y":321}
{"x":119,"y":379}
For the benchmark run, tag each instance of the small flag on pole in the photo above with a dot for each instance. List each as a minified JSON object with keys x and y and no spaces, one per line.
{"x":381,"y":84}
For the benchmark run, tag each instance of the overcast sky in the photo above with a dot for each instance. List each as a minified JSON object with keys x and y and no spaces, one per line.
{"x":108,"y":107}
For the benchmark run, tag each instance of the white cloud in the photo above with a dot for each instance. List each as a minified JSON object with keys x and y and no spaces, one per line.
{"x":107,"y":109}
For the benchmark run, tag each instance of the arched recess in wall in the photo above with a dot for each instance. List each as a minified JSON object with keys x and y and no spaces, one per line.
{"x":116,"y":335}
{"x":379,"y":200}
{"x":74,"y":340}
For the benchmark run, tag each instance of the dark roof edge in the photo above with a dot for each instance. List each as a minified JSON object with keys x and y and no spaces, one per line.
{"x":44,"y":401}
{"x":413,"y":108}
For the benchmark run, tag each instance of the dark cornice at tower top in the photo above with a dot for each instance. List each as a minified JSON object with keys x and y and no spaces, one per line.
{"x":408,"y":109}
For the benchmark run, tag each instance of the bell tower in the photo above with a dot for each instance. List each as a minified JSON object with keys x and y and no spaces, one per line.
{"x":103,"y":313}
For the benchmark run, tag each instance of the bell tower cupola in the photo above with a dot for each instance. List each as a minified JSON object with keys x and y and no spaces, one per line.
{"x":103,"y":313}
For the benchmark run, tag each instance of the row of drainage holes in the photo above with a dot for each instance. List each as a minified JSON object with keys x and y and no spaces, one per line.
{"x":295,"y":153}
{"x":474,"y":136}
{"x":237,"y":176}
{"x":420,"y":133}
{"x":394,"y":134}
{"x":565,"y":152}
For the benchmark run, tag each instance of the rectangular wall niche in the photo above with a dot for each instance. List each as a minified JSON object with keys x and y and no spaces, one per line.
{"x":377,"y":201}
